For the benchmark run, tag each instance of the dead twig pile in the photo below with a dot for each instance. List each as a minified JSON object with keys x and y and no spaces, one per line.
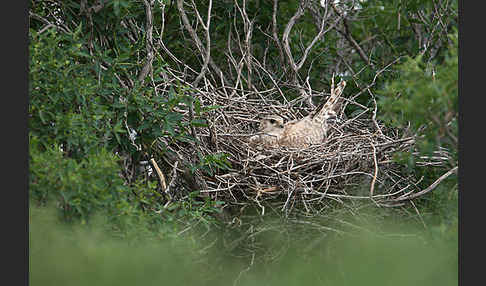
{"x":355,"y":163}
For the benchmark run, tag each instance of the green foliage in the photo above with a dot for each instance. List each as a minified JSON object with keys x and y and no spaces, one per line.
{"x":426,"y":96}
{"x":81,"y":188}
{"x":212,"y":162}
{"x":63,"y":110}
{"x":93,"y":110}
{"x":195,"y":209}
{"x":82,"y":255}
{"x":80,"y":115}
{"x":154,"y":116}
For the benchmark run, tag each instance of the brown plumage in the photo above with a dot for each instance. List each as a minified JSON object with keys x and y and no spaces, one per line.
{"x":309,"y":130}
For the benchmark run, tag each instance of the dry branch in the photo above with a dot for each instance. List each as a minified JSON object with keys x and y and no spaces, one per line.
{"x":147,"y":68}
{"x":275,"y":31}
{"x":429,"y":188}
{"x":349,"y":37}
{"x":197,"y":40}
{"x":160,"y":174}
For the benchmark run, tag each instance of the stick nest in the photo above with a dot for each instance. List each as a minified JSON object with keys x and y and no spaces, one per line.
{"x":355,"y":163}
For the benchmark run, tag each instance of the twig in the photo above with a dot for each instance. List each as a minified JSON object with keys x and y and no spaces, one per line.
{"x":419,"y":215}
{"x":285,"y":38}
{"x":349,"y":37}
{"x":207,"y":55}
{"x":197,"y":40}
{"x":275,"y":30}
{"x":147,"y":68}
{"x":375,"y":174}
{"x":173,"y":178}
{"x":430,"y":188}
{"x":160,"y":174}
{"x":61,"y":26}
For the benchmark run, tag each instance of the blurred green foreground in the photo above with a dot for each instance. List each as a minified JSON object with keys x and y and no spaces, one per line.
{"x":61,"y":254}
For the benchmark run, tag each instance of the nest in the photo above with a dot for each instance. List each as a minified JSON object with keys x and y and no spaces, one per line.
{"x":354,"y":163}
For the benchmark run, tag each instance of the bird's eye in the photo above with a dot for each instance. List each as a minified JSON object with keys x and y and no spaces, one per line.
{"x":272,"y":121}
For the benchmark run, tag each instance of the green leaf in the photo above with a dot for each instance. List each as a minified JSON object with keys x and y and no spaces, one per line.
{"x":116,"y":7}
{"x":210,"y":107}
{"x":146,"y":124}
{"x":169,"y":128}
{"x":199,"y":122}
{"x":78,"y":30}
{"x":197,"y":107}
{"x":173,"y":118}
{"x":41,"y":116}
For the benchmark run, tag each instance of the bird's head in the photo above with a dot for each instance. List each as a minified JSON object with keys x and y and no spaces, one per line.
{"x":271,"y":123}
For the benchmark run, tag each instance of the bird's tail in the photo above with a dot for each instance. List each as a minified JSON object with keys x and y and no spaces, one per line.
{"x":327,"y":110}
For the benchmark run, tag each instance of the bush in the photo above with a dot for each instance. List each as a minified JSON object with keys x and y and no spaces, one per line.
{"x":65,"y":106}
{"x":80,"y":187}
{"x":425,"y":95}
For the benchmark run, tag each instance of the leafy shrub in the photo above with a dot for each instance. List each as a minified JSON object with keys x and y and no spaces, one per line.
{"x":83,"y":190}
{"x":80,"y":116}
{"x":80,"y":187}
{"x":66,"y":106}
{"x":426,"y":96}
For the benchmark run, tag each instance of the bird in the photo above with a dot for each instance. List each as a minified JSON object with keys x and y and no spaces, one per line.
{"x":299,"y":133}
{"x":270,"y":131}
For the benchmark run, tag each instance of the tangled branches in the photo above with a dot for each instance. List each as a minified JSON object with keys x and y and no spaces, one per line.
{"x":355,"y":163}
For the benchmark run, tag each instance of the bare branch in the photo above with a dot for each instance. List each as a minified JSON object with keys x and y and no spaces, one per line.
{"x":349,"y":37}
{"x":285,"y":37}
{"x":207,"y":55}
{"x":197,"y":40}
{"x":429,"y":188}
{"x":59,"y":26}
{"x":275,"y":30}
{"x":300,"y":11}
{"x":147,"y":68}
{"x":163,"y":183}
